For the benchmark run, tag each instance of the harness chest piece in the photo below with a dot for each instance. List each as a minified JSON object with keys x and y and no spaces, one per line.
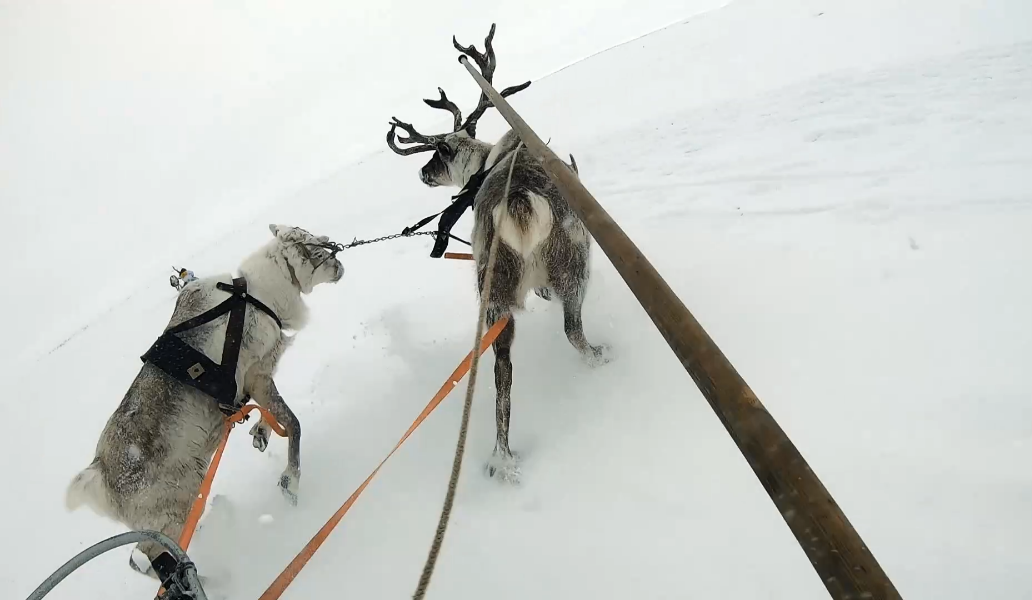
{"x":192,"y":367}
{"x":451,"y":215}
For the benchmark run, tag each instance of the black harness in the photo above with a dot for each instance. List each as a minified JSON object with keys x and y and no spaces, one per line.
{"x":190,"y":366}
{"x":451,"y":215}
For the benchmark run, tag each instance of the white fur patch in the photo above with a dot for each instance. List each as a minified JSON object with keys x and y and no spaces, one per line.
{"x":88,"y":488}
{"x":523,"y":242}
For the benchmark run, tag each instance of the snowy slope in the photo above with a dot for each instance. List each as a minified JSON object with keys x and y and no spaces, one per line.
{"x":841,"y":194}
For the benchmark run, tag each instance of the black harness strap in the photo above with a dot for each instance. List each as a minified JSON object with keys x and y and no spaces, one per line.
{"x":451,"y":215}
{"x":191,"y":366}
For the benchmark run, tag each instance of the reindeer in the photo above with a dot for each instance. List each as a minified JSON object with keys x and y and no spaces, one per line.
{"x":543,"y":245}
{"x":155,"y":447}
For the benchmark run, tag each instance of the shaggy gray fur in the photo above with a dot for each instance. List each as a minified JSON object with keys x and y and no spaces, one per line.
{"x":154,"y":450}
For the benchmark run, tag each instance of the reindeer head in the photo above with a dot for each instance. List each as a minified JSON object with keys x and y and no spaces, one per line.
{"x":310,"y":259}
{"x":458,"y":155}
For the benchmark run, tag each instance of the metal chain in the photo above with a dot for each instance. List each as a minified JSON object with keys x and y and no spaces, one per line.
{"x":358,"y":242}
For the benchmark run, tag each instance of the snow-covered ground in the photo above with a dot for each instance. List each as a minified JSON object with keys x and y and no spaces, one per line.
{"x":840,"y":191}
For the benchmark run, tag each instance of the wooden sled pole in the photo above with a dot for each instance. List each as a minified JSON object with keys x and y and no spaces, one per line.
{"x":846,"y":566}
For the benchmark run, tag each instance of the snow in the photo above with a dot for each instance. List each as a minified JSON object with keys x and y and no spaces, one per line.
{"x":840,"y":192}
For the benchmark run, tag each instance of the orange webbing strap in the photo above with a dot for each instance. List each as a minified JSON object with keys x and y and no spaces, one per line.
{"x":278,"y":586}
{"x":458,"y":255}
{"x":202,"y":494}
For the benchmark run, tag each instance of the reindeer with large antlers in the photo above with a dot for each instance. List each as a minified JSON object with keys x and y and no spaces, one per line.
{"x":543,"y":245}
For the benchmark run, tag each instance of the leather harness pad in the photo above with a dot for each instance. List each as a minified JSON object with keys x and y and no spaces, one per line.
{"x":192,"y":367}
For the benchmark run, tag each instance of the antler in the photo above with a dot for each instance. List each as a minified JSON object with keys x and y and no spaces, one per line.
{"x":426,"y":142}
{"x":485,"y":103}
{"x":487,"y":63}
{"x":445,"y":104}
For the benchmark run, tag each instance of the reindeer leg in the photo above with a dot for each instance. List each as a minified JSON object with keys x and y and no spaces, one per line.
{"x":594,"y":355}
{"x":267,"y":396}
{"x":567,"y":265}
{"x":505,"y":283}
{"x":167,"y":515}
{"x":150,"y":558}
{"x":503,"y":462}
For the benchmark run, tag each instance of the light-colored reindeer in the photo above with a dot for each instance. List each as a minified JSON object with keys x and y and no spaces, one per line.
{"x":155,"y":448}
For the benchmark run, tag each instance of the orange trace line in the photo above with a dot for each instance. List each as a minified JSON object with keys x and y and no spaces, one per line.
{"x":197,"y":509}
{"x":279,"y":585}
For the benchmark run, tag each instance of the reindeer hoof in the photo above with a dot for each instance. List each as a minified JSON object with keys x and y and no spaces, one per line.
{"x":139,"y":562}
{"x":598,"y":355}
{"x":260,"y":436}
{"x":288,"y":485}
{"x":504,"y":468}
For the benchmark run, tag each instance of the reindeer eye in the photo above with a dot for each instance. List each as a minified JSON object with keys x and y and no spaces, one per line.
{"x":444,"y":150}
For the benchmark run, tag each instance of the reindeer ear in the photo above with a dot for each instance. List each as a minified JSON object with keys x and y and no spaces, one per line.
{"x":284,"y":232}
{"x":322,"y":239}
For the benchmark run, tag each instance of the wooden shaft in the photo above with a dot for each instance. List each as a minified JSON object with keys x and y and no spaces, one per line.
{"x":844,"y":563}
